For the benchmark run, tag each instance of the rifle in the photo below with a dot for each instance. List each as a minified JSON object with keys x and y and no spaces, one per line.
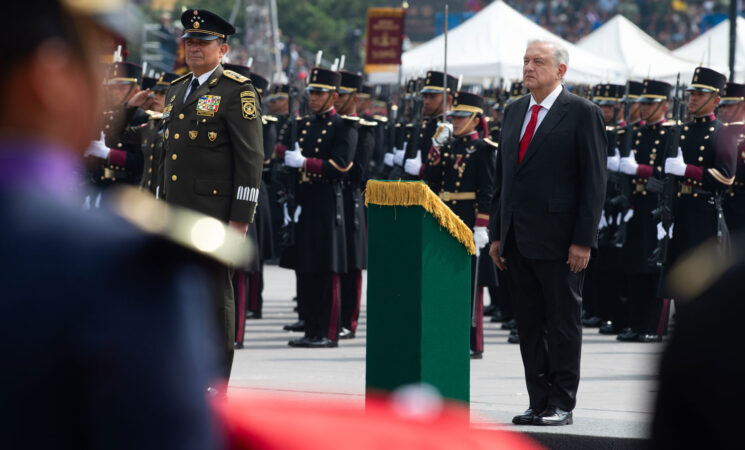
{"x":416,"y":118}
{"x":665,"y":188}
{"x":289,"y":175}
{"x":612,"y":205}
{"x":624,"y":181}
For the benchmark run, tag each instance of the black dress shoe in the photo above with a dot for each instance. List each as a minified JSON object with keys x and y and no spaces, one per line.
{"x":592,"y":322}
{"x":321,"y":342}
{"x":628,"y":336}
{"x":489,"y":310}
{"x":346,"y":333}
{"x":253,"y":315}
{"x":299,"y":342}
{"x":526,"y":418}
{"x":477,"y":355}
{"x":554,"y":416}
{"x":649,"y":338}
{"x":513,"y":338}
{"x":297,"y":326}
{"x":509,"y":325}
{"x":237,"y":345}
{"x":608,"y":327}
{"x":498,"y":316}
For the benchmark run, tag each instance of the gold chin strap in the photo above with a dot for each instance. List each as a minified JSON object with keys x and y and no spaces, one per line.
{"x":470,"y":120}
{"x":646,"y":119}
{"x":326,"y":103}
{"x":711,"y":97}
{"x":344,"y":106}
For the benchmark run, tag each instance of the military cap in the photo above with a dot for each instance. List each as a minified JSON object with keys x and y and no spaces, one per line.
{"x":124,"y":73}
{"x":351,"y":82}
{"x":164,"y":82}
{"x":517,"y":90}
{"x":466,"y":104}
{"x":707,"y":80}
{"x":366,"y":91}
{"x":608,"y":94}
{"x":655,"y":91}
{"x":279,"y":91}
{"x":148,"y":82}
{"x":323,"y":80}
{"x":205,"y":25}
{"x":434,"y":83}
{"x":733,"y":93}
{"x":242,"y":70}
{"x":635,"y":90}
{"x":260,"y":83}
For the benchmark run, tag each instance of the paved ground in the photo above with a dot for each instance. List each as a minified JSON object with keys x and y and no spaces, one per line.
{"x":615,"y":397}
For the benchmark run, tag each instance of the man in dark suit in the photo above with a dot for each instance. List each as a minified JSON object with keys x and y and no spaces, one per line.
{"x":544,"y":223}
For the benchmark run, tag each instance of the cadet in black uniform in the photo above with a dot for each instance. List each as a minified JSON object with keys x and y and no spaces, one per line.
{"x":705,"y":163}
{"x":354,"y":207}
{"x":732,"y":113}
{"x":148,"y":135}
{"x":323,"y":155}
{"x":213,"y":146}
{"x":646,"y":310}
{"x":463,"y":169}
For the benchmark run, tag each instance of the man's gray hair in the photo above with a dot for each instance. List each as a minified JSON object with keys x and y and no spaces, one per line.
{"x":560,"y":53}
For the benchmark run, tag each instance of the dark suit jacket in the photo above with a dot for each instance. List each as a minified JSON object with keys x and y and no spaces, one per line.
{"x":554,"y":197}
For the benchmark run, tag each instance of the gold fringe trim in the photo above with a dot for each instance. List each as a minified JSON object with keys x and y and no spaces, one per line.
{"x":408,"y":193}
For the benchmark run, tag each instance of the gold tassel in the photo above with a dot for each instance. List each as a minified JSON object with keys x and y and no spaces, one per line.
{"x":407,"y":193}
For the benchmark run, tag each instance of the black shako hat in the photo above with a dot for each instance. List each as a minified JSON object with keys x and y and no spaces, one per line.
{"x":635,"y":90}
{"x":608,"y":94}
{"x":260,"y":83}
{"x":279,"y":91}
{"x":707,"y":80}
{"x":733,"y":93}
{"x":350,"y":83}
{"x":164,"y":82}
{"x":433,"y":83}
{"x":124,"y":73}
{"x":205,"y":25}
{"x":323,"y":80}
{"x":655,"y":91}
{"x":466,"y":104}
{"x":148,"y":82}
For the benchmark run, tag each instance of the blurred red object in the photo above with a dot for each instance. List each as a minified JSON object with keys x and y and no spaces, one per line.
{"x":261,"y":422}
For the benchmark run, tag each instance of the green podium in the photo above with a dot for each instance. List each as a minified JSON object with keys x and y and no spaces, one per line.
{"x":418,"y":291}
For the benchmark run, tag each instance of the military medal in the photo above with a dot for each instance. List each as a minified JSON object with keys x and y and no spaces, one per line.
{"x":167,"y":111}
{"x":212,"y":135}
{"x":193,"y":134}
{"x":208,"y":105}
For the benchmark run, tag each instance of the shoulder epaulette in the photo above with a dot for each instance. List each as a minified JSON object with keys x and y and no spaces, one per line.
{"x":181,"y":78}
{"x":154,"y":115}
{"x":350,"y":118}
{"x":621,"y":130}
{"x":368,"y":123}
{"x":380,"y":118}
{"x":235,"y":76}
{"x":733,"y":124}
{"x":490,"y":142}
{"x":670,"y":123}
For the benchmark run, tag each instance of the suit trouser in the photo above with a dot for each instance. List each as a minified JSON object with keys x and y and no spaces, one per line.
{"x":351,"y":294}
{"x":225,"y":314}
{"x":501,"y":296}
{"x":547,"y":298}
{"x":319,"y":292}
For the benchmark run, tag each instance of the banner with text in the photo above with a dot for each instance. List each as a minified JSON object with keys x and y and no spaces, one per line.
{"x":385,"y":35}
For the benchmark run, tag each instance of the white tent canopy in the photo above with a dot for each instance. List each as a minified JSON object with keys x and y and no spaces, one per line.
{"x":620,"y":40}
{"x":491,"y":45}
{"x":712,"y":49}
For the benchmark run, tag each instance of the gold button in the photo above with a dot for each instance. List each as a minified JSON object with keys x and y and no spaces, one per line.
{"x":150,"y":170}
{"x":181,"y":116}
{"x":323,"y":131}
{"x":174,"y":178}
{"x":107,"y":127}
{"x":702,"y":148}
{"x":700,"y":158}
{"x":176,"y":136}
{"x":151,"y":157}
{"x":204,"y":120}
{"x":174,"y":157}
{"x":682,"y":137}
{"x":330,"y":123}
{"x":320,"y":140}
{"x":214,"y":192}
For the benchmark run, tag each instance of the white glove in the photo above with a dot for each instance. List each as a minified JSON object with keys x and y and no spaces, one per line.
{"x":603,"y":223}
{"x":629,"y":215}
{"x":294,"y":158}
{"x":661,"y":233}
{"x":628,"y":164}
{"x":480,"y":237}
{"x":298,"y":210}
{"x":614,"y":161}
{"x":618,"y":218}
{"x":414,"y":165}
{"x":286,"y":212}
{"x":676,"y":166}
{"x":98,"y":149}
{"x":388,"y":159}
{"x":443,"y":134}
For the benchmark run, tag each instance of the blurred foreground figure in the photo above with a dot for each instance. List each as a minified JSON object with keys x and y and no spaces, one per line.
{"x":102,"y":326}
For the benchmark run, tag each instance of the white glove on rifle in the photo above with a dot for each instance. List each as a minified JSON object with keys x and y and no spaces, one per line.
{"x":629,"y":165}
{"x":398,"y":156}
{"x":480,"y":237}
{"x":676,"y":166}
{"x":294,"y":158}
{"x":614,"y":161}
{"x":98,"y":149}
{"x":443,"y":134}
{"x":661,"y":233}
{"x":603,"y":223}
{"x":388,"y":159}
{"x":414,"y":165}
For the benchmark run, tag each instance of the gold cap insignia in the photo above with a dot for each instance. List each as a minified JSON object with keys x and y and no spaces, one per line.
{"x":196,"y":24}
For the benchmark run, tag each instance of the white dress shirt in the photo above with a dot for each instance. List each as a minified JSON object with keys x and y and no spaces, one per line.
{"x":547,"y":103}
{"x":202,"y":79}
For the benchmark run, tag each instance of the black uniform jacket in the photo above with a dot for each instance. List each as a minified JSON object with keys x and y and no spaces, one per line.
{"x":554,"y":197}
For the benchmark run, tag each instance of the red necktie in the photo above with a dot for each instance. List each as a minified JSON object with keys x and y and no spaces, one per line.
{"x":525,"y":141}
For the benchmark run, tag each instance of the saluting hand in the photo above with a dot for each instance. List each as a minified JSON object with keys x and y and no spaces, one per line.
{"x":141,"y":99}
{"x":579,"y":257}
